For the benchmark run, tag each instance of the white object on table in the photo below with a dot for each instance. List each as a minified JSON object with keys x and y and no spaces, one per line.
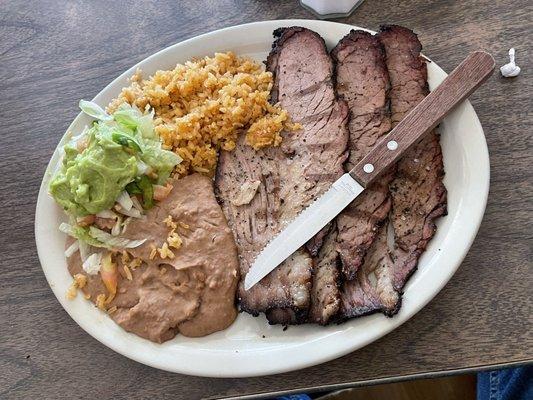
{"x":511,"y":69}
{"x":331,"y":9}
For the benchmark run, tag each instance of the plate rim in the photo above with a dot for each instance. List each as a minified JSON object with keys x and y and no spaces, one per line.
{"x":302,"y":362}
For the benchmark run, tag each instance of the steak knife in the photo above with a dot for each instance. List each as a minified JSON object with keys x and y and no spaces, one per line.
{"x":463,"y":80}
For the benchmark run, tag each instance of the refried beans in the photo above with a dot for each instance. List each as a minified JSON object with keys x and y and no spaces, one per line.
{"x":192,"y":291}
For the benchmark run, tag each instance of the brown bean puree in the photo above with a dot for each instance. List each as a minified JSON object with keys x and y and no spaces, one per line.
{"x":191,"y":292}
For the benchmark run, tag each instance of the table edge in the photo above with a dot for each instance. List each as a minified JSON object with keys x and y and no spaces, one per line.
{"x":380,"y":381}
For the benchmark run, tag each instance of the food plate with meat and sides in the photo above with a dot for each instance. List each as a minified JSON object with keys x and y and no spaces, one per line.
{"x":171,"y":181}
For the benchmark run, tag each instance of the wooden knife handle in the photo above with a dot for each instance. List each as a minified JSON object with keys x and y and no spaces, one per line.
{"x":464,"y":79}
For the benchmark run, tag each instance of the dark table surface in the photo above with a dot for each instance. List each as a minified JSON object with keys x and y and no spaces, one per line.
{"x":52,"y":53}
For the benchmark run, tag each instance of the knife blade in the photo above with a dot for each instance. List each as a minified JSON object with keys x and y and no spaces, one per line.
{"x":306,"y":224}
{"x":466,"y":78}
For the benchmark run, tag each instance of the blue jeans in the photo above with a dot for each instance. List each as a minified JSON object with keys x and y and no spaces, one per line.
{"x":506,"y":384}
{"x":294,"y":397}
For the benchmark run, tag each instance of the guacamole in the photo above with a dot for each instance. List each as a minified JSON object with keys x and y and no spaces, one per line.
{"x":119,"y":150}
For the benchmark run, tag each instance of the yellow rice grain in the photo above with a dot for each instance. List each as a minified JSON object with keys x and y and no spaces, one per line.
{"x":110,"y":297}
{"x":165,"y":252}
{"x":100,"y":302}
{"x":153,"y":252}
{"x":72,"y":291}
{"x":174,"y":240}
{"x":135,"y":263}
{"x":125,"y":257}
{"x":169,"y":222}
{"x":127,"y":272}
{"x":80,"y":280}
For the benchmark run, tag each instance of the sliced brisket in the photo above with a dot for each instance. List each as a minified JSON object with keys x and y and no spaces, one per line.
{"x":253,"y":216}
{"x":372,"y":290}
{"x":303,"y":84}
{"x":363,"y":81}
{"x":418,"y":194}
{"x":325,"y":295}
{"x":280,"y":182}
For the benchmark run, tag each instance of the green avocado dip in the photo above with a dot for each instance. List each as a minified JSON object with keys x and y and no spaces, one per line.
{"x":119,"y":152}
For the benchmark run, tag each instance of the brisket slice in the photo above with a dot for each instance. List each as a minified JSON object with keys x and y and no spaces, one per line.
{"x":372,"y":290}
{"x":363,"y":81}
{"x":418,"y":194}
{"x":247,"y":185}
{"x":279,"y":182}
{"x":325,"y":295}
{"x":303,"y":85}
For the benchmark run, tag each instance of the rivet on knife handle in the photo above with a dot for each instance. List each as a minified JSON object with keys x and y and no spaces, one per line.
{"x":463,"y":80}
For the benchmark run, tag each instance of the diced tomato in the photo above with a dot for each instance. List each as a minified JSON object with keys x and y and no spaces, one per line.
{"x":109,"y":273}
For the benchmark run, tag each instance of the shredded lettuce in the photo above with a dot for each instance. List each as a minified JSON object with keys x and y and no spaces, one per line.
{"x":114,"y":242}
{"x":74,"y":247}
{"x":98,"y":238}
{"x":126,"y":141}
{"x":85,"y":250}
{"x":141,"y":126}
{"x":132,"y":188}
{"x":126,"y":118}
{"x":94,"y":110}
{"x":82,"y":234}
{"x":121,"y":156}
{"x":125,"y":200}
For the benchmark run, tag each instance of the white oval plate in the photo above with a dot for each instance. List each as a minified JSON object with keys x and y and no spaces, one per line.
{"x":241,"y":350}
